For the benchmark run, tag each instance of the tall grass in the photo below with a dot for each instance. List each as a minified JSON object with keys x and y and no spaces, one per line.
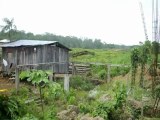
{"x":102,"y":56}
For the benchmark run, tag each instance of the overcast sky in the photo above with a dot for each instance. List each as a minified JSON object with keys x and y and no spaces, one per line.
{"x":112,"y":21}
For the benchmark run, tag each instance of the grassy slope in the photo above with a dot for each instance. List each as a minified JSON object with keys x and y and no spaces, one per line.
{"x":115,"y":57}
{"x":103,"y":56}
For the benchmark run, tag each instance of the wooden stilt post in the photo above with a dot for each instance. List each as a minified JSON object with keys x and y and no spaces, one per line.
{"x":108,"y":72}
{"x":17,"y":79}
{"x":17,"y":73}
{"x":66,"y":82}
{"x":51,"y":76}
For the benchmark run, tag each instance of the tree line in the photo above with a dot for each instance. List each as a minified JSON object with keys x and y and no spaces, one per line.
{"x":9,"y":31}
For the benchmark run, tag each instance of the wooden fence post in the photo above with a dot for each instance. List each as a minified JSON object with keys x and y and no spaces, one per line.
{"x":66,"y":82}
{"x":73,"y":69}
{"x":108,"y":72}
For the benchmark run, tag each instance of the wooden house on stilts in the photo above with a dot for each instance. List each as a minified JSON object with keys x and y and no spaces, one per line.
{"x":44,"y":55}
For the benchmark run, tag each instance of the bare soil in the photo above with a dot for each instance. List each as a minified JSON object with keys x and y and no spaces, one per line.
{"x":6,"y":83}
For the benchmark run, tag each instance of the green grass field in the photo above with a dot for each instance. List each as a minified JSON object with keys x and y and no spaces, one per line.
{"x":102,"y":56}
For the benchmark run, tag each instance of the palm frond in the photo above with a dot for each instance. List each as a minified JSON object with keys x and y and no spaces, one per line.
{"x":9,"y":25}
{"x":6,"y":20}
{"x":5,"y":29}
{"x":15,"y":27}
{"x":1,"y":26}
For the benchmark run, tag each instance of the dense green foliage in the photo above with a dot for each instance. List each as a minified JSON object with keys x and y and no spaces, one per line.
{"x":37,"y":77}
{"x":53,"y":91}
{"x":10,"y":107}
{"x":112,"y":109}
{"x":140,"y":57}
{"x":134,"y":64}
{"x":81,"y":83}
{"x":145,"y":56}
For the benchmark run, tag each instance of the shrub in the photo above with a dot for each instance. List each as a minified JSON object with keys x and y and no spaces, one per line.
{"x":115,"y":71}
{"x":50,"y":113}
{"x":53,"y":91}
{"x":28,"y":117}
{"x":102,"y":74}
{"x":96,"y":68}
{"x":121,"y":95}
{"x":81,"y":83}
{"x":71,"y":100}
{"x":23,"y":92}
{"x":110,"y":109}
{"x":121,"y":114}
{"x":100,"y":71}
{"x":103,"y":109}
{"x":85,"y":108}
{"x":10,"y":107}
{"x":71,"y":97}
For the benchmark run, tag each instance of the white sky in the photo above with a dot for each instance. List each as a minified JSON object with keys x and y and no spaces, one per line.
{"x":112,"y":21}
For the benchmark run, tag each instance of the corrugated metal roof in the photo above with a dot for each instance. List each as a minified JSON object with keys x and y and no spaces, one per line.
{"x":27,"y":43}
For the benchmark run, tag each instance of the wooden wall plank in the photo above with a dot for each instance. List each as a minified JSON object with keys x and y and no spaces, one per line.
{"x":43,"y":54}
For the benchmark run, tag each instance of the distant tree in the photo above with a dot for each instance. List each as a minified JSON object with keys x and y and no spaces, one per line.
{"x":98,"y":44}
{"x":88,"y":43}
{"x":9,"y":28}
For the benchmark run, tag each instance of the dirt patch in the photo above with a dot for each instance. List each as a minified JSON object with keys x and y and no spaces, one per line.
{"x":6,"y":83}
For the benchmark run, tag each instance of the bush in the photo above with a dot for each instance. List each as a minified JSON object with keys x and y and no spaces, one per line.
{"x":102,"y":74}
{"x":71,"y":97}
{"x":121,"y":114}
{"x":100,"y":71}
{"x":50,"y":113}
{"x":112,"y":109}
{"x":125,"y":70}
{"x":121,"y":95}
{"x":103,"y":109}
{"x":10,"y":107}
{"x":116,"y":71}
{"x":85,"y":108}
{"x":81,"y":83}
{"x":96,"y":68}
{"x":23,"y":92}
{"x":28,"y":117}
{"x":53,"y":91}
